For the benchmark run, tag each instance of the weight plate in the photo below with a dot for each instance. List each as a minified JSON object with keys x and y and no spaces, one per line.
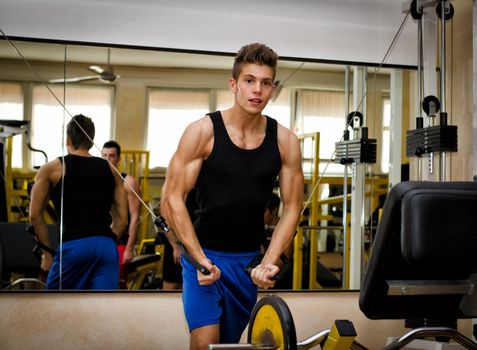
{"x":271,"y":323}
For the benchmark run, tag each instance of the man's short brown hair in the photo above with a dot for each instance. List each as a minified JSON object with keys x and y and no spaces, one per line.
{"x":254,"y":53}
{"x":80,"y":130}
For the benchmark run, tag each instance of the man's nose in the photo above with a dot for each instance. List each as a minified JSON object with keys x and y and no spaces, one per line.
{"x":257,"y":86}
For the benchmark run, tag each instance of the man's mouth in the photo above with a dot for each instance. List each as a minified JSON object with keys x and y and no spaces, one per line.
{"x":256,"y":101}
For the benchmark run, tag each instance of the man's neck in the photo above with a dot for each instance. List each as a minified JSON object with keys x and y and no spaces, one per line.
{"x":79,"y":152}
{"x":241,"y":120}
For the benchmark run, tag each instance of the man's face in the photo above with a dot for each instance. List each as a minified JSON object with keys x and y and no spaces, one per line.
{"x":111,"y":154}
{"x":254,"y":87}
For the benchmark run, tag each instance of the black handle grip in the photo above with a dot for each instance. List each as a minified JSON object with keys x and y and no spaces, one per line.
{"x":161,"y":222}
{"x":255,"y":261}
{"x":36,"y":249}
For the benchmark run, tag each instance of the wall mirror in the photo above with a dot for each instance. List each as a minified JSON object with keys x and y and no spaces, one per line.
{"x":145,"y":98}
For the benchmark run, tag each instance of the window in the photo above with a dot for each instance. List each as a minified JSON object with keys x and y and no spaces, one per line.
{"x":11,"y":107}
{"x":48,"y":116}
{"x":170,"y":111}
{"x":323,"y":112}
{"x":386,"y":136}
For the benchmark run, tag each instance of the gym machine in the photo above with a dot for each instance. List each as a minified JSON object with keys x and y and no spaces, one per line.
{"x":433,"y":138}
{"x":8,"y":129}
{"x":357,"y":152}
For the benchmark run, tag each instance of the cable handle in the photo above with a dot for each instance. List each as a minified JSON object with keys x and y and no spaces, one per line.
{"x":38,"y":244}
{"x":258,"y":259}
{"x":161,"y":223}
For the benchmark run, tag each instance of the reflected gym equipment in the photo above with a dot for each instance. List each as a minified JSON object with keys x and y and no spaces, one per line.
{"x":137,"y":270}
{"x":19,"y":262}
{"x":271,"y":327}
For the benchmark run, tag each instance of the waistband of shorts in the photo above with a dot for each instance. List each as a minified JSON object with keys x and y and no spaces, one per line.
{"x":240,"y":255}
{"x":88,"y":240}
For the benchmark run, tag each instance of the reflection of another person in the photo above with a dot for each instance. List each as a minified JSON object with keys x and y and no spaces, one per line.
{"x":89,"y":196}
{"x":232,"y":159}
{"x":172,"y":270}
{"x":271,"y":219}
{"x":112,"y":152}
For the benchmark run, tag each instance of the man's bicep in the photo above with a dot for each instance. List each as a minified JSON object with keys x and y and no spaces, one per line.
{"x":182,"y":174}
{"x":133,"y":191}
{"x":186,"y":162}
{"x":291,"y":175}
{"x":39,"y":192}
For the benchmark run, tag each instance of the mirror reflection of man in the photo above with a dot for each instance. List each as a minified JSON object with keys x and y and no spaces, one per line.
{"x":112,"y":152}
{"x":271,"y":218}
{"x":89,"y":196}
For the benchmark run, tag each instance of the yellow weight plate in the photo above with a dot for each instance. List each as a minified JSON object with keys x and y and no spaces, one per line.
{"x":271,"y":324}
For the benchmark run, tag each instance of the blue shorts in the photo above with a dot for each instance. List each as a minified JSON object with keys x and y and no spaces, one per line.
{"x":88,"y":263}
{"x":227,"y":302}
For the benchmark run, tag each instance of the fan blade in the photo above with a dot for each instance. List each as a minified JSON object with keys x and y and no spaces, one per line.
{"x":73,"y":80}
{"x":97,"y":69}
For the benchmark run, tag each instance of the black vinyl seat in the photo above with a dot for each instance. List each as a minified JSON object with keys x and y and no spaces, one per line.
{"x":423,"y":264}
{"x":16,"y":250}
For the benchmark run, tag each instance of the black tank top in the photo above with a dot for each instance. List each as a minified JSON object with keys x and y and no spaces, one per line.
{"x":87,"y":197}
{"x":232,"y":190}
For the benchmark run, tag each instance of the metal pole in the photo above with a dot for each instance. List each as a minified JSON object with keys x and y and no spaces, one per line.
{"x":420,"y":83}
{"x":363,"y":170}
{"x":442,"y":174}
{"x":345,"y":190}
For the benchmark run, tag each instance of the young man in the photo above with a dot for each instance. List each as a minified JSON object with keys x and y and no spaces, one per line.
{"x":232,"y":158}
{"x":89,"y":196}
{"x":112,"y":152}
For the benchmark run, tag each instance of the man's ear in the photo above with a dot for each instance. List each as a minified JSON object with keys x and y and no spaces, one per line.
{"x":233,"y":85}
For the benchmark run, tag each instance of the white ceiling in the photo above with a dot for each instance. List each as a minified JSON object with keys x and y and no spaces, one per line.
{"x":336,"y":30}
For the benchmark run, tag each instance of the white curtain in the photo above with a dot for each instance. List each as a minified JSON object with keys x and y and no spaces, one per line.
{"x":169,"y":113}
{"x":323,"y":112}
{"x":48,"y":116}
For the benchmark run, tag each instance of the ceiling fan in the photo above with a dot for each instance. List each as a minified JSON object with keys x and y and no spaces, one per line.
{"x":104,"y":74}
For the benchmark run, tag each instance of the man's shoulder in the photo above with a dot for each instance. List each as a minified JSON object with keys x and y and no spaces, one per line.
{"x":285,"y":134}
{"x":202,"y":127}
{"x":52,"y":165}
{"x":50,"y":171}
{"x":131,"y":180}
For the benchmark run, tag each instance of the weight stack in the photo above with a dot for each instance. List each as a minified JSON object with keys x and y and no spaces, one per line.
{"x":356,"y":151}
{"x":438,"y":138}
